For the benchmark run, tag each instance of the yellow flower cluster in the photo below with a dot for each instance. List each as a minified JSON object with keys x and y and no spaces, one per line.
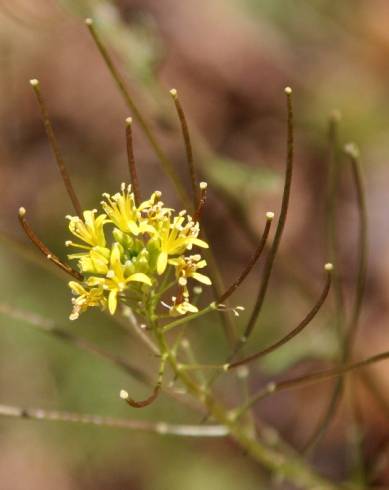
{"x":133,"y":266}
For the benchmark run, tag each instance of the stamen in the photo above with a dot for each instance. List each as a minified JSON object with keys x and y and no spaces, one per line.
{"x":55,"y":147}
{"x":42,"y":247}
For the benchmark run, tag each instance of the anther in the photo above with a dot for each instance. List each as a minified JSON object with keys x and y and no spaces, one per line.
{"x":123,"y":395}
{"x":270,"y":388}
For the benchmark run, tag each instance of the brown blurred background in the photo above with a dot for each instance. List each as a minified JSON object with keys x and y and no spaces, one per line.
{"x":230,"y":61}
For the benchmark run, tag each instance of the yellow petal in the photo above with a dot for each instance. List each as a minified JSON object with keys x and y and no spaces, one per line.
{"x":202,"y":278}
{"x":161,"y":263}
{"x":140,"y":277}
{"x":200,"y":243}
{"x":76,"y":288}
{"x":191,"y":308}
{"x":112,"y":301}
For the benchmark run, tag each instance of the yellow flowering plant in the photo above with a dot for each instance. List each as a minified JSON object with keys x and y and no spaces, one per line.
{"x":128,"y":251}
{"x":144,"y":258}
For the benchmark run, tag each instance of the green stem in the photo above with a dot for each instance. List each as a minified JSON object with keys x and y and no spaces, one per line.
{"x":188,"y":318}
{"x":290,"y":465}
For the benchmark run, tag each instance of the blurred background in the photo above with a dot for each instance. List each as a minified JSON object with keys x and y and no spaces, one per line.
{"x":229,"y":60}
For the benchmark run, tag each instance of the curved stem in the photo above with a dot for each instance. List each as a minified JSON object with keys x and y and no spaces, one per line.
{"x":300,"y":327}
{"x":188,"y":145}
{"x":268,"y":267}
{"x":44,"y":249}
{"x":353,"y":154}
{"x":252,"y":262}
{"x":55,"y":147}
{"x":157,"y":388}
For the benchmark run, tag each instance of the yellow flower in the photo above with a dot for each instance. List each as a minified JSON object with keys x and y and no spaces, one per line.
{"x":180,"y":307}
{"x":143,"y":241}
{"x":90,"y":231}
{"x":176,"y":237}
{"x":86,"y":298}
{"x":187,"y":267}
{"x":123,"y":213}
{"x":116,"y":280}
{"x":153,"y":210}
{"x":94,"y":262}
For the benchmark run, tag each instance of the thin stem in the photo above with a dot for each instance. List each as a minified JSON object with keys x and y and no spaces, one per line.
{"x":198,"y":367}
{"x":161,"y":428}
{"x":55,"y":147}
{"x":310,"y":378}
{"x":157,"y":388}
{"x":191,"y":358}
{"x":131,"y":162}
{"x":353,"y":153}
{"x":166,"y":288}
{"x":332,"y":205}
{"x":333,"y":254}
{"x":252,"y":262}
{"x":201,"y":201}
{"x":300,"y":327}
{"x":43,"y":249}
{"x":268,"y":267}
{"x":137,"y":328}
{"x":188,"y":318}
{"x":188,"y":146}
{"x":165,"y":162}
